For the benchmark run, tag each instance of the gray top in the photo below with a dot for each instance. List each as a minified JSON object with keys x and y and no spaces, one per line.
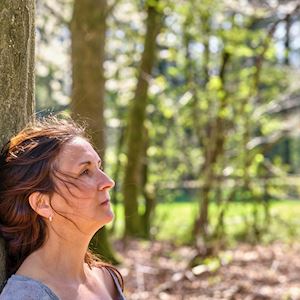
{"x":20,"y":287}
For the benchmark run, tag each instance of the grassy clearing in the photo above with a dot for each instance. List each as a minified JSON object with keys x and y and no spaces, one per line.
{"x":174,"y":221}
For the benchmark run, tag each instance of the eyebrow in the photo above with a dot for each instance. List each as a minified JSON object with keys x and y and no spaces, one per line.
{"x":89,"y":162}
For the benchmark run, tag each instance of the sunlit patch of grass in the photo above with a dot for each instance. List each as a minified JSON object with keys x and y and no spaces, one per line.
{"x":174,"y":221}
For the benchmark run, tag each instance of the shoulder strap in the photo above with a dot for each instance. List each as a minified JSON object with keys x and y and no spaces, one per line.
{"x":116,"y":281}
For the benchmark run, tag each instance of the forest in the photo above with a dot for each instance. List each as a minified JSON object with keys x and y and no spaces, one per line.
{"x":194,"y":108}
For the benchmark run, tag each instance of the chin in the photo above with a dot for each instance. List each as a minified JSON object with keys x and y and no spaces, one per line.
{"x":110,"y":216}
{"x":105,"y":218}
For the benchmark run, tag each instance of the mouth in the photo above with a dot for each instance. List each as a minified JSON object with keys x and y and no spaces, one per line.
{"x":105,"y":202}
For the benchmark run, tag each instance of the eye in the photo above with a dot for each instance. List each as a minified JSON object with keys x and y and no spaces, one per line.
{"x":85,"y":172}
{"x":100,"y":166}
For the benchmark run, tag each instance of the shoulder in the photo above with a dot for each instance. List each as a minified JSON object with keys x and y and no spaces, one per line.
{"x":23,"y":288}
{"x":106,"y":275}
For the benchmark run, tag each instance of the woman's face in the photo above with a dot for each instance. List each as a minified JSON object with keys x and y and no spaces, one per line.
{"x":83,"y":188}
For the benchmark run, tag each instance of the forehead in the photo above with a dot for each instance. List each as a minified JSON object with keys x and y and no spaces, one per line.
{"x":75,"y":152}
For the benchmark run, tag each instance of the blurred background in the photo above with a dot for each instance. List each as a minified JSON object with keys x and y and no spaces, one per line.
{"x":194,"y":106}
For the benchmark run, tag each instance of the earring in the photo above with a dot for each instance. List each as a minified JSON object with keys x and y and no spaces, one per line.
{"x":50,"y":218}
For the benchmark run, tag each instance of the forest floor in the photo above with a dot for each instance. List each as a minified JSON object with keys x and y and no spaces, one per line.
{"x":159,"y":270}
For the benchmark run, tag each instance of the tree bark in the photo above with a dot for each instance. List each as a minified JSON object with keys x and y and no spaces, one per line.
{"x":88,"y":28}
{"x":135,"y":130}
{"x":17,"y":42}
{"x":287,"y":158}
{"x":116,"y":174}
{"x":16,"y":65}
{"x":147,"y":190}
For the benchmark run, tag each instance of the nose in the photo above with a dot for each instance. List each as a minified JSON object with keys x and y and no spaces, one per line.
{"x":105,"y":182}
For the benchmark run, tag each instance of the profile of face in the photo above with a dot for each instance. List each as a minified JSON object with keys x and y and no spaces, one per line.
{"x":82,"y":188}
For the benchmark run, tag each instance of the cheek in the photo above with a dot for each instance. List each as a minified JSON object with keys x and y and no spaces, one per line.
{"x":79,"y":198}
{"x":83,"y":195}
{"x":72,"y":206}
{"x":88,"y":186}
{"x":79,"y":190}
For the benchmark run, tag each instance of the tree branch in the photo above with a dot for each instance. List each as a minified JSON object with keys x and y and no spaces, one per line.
{"x":111,"y":7}
{"x":56,"y":14}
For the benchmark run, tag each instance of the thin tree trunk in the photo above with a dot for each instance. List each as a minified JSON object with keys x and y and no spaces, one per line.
{"x":214,"y":150}
{"x":287,"y":141}
{"x":17,"y":42}
{"x":148,"y":193}
{"x":135,"y":139}
{"x":88,"y":28}
{"x":116,"y":174}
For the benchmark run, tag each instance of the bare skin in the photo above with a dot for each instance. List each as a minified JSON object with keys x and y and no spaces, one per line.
{"x":78,"y":210}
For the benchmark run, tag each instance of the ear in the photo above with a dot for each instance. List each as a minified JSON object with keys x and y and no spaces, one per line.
{"x":40,"y":203}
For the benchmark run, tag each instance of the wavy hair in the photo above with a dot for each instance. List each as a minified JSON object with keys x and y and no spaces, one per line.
{"x":27,"y":166}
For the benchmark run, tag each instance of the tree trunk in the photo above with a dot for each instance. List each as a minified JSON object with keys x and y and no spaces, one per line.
{"x":147,"y":191}
{"x":214,"y":149}
{"x":135,"y":130}
{"x":17,"y":41}
{"x":100,"y":245}
{"x":116,"y":175}
{"x":287,"y":141}
{"x":88,"y":28}
{"x":16,"y":65}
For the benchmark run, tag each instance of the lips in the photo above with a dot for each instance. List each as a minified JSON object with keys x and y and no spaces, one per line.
{"x":105,"y":202}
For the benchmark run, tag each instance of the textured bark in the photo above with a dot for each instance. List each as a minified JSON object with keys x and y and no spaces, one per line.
{"x":16,"y":65}
{"x":135,"y":142}
{"x":88,"y":29}
{"x":17,"y":43}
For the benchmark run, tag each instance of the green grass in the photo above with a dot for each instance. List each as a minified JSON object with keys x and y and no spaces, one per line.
{"x":174,"y":221}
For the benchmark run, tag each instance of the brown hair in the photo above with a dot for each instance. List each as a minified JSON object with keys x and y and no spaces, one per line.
{"x":26,"y":166}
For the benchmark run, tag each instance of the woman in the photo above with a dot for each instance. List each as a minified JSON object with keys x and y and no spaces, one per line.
{"x":54,"y":196}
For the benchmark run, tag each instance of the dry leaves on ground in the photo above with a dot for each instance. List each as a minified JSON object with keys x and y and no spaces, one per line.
{"x":159,"y":270}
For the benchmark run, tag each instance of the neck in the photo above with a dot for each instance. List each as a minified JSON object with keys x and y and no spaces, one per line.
{"x":60,"y":258}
